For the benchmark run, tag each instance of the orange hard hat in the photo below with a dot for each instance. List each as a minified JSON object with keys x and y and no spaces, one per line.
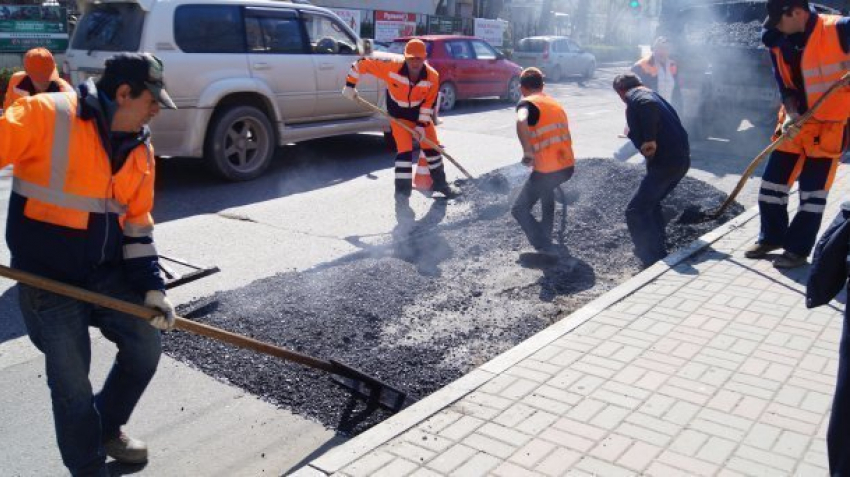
{"x":39,"y":65}
{"x":415,"y":48}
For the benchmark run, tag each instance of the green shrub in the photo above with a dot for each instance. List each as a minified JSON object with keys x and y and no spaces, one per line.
{"x":5,"y":74}
{"x":609,"y":53}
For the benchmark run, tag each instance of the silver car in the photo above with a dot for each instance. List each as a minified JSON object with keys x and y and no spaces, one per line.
{"x":557,"y":56}
{"x":247,"y":75}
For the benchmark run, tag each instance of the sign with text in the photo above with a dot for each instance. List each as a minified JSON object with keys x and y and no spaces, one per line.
{"x":392,"y":25}
{"x":350,"y":17}
{"x":492,"y":31}
{"x":23,"y":27}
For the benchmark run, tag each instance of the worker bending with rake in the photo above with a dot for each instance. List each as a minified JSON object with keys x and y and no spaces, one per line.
{"x":547,"y":148}
{"x":412,"y":88}
{"x":810,"y":52}
{"x":79,"y":212}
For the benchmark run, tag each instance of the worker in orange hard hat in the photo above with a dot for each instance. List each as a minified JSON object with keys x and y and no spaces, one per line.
{"x":39,"y":76}
{"x":412,"y":88}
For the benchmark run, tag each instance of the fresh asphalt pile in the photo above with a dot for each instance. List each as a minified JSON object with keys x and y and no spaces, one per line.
{"x":420,"y":311}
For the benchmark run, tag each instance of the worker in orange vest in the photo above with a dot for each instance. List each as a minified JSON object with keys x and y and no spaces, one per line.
{"x":80,"y":212}
{"x":810,"y":52}
{"x":39,"y":76}
{"x":412,"y":88}
{"x":544,"y":133}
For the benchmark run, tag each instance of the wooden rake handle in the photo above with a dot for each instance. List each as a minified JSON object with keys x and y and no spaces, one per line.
{"x":148,"y":313}
{"x":427,"y":141}
{"x":842,"y":82}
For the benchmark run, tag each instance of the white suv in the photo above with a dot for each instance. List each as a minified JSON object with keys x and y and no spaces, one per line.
{"x":246,"y":75}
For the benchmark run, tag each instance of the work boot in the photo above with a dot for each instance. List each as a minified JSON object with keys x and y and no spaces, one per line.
{"x":447,"y":191}
{"x":760,"y":250}
{"x":789,"y":260}
{"x":126,"y":450}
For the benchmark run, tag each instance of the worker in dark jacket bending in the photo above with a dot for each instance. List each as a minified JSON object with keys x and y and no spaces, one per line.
{"x":655,"y":129}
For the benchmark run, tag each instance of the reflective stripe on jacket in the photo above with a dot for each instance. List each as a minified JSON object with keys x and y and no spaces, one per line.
{"x":550,"y":137}
{"x":413,"y":101}
{"x":74,"y":212}
{"x":17,"y":89}
{"x":823,"y":63}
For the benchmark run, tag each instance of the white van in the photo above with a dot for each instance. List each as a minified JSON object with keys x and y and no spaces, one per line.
{"x":246,"y":75}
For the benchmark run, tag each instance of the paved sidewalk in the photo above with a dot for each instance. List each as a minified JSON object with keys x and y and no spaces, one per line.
{"x":710,"y":365}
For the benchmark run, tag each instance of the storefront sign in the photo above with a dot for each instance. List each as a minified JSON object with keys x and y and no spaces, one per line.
{"x":392,"y":25}
{"x":350,"y":17}
{"x":490,"y":30}
{"x":23,"y":27}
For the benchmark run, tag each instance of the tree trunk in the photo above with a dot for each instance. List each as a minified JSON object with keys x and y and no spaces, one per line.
{"x":544,"y":25}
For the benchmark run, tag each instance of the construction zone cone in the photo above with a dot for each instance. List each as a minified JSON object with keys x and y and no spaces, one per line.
{"x":422,"y":178}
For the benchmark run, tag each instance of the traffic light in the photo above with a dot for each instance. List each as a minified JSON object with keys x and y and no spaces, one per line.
{"x":635,"y":7}
{"x":634,"y":4}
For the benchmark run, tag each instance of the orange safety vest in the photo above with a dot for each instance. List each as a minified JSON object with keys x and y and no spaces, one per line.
{"x":13,"y":91}
{"x":823,"y":63}
{"x":650,"y":67}
{"x":550,"y":137}
{"x":411,"y":101}
{"x":69,"y":176}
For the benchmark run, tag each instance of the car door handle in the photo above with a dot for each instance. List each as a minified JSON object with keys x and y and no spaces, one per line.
{"x":326,"y":66}
{"x":261,"y":66}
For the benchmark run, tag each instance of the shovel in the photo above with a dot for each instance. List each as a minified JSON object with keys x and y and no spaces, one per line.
{"x":694,"y":214}
{"x":495,"y":182}
{"x":359,"y":382}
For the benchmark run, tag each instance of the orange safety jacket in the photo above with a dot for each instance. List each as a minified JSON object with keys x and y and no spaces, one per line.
{"x":70,"y":211}
{"x":550,"y":137}
{"x":822,"y":64}
{"x":646,"y":69}
{"x":20,"y":86}
{"x":413,"y":101}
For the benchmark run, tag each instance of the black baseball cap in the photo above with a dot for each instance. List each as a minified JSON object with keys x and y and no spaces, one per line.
{"x":777,"y":8}
{"x":141,"y":68}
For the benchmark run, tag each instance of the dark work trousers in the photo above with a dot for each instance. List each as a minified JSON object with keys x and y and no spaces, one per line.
{"x":838,"y":434}
{"x":815,"y":175}
{"x":540,"y":186}
{"x":643,"y":214}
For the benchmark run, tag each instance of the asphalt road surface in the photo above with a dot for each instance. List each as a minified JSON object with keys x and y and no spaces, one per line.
{"x":326,"y":206}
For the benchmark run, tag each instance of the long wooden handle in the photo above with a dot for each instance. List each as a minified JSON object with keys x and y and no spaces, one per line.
{"x":149,"y":313}
{"x":842,"y":82}
{"x":407,"y":128}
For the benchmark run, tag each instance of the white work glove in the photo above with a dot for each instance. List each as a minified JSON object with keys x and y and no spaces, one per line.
{"x":789,"y":126}
{"x":157,"y":299}
{"x":420,"y":134}
{"x":349,"y":93}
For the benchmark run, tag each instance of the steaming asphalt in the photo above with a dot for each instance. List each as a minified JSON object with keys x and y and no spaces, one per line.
{"x":306,"y":262}
{"x":423,"y":309}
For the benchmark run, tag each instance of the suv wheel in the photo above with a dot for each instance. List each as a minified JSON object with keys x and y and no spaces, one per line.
{"x":449,"y":96}
{"x":513,"y":94}
{"x":240,"y":143}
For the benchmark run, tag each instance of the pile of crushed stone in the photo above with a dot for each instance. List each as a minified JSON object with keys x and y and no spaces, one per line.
{"x":421,"y":312}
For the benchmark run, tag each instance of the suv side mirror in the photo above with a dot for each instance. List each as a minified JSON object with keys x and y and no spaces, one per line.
{"x":500,"y":55}
{"x":367,"y":46}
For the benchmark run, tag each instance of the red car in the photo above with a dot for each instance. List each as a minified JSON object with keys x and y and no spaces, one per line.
{"x":469,"y":68}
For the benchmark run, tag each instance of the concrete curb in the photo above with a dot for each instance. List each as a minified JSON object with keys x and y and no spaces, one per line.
{"x":340,"y":457}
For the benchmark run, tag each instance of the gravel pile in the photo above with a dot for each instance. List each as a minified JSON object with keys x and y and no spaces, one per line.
{"x":726,"y":34}
{"x":422,"y":312}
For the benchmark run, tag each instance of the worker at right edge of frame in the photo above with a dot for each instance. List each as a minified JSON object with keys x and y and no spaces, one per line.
{"x":810,"y":52}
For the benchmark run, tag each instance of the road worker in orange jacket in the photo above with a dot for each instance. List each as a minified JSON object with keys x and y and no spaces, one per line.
{"x":39,"y":76}
{"x":412,"y":88}
{"x":544,"y":132}
{"x":810,"y":52}
{"x":80,"y":213}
